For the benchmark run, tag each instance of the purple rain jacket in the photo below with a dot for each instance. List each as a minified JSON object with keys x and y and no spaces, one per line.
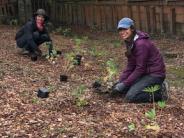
{"x":145,"y":59}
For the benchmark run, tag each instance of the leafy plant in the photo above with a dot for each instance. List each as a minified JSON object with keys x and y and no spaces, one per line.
{"x":161,"y":104}
{"x":52,"y":53}
{"x":64,"y":31}
{"x":151,"y":114}
{"x":79,"y":96}
{"x":94,"y":52}
{"x":151,"y":90}
{"x":78,"y":43}
{"x":34,"y":100}
{"x":13,"y":22}
{"x":67,"y":32}
{"x":111,"y":68}
{"x":81,"y":102}
{"x":131,"y":127}
{"x":68,"y":62}
{"x":116,"y":43}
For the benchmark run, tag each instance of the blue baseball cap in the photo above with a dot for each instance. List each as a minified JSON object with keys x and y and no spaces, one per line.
{"x":125,"y":23}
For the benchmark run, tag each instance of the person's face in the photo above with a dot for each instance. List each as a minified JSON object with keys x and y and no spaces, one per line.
{"x":40,"y":18}
{"x":125,"y":34}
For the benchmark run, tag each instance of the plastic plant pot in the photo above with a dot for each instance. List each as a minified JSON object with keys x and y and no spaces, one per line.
{"x":96,"y":84}
{"x":59,"y":52}
{"x":43,"y":93}
{"x":77,"y":60}
{"x":63,"y":78}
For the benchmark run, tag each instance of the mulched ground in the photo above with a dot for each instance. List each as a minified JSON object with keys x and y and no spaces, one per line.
{"x":23,"y":114}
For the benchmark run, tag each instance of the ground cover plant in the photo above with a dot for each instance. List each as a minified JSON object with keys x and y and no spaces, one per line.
{"x":72,"y":108}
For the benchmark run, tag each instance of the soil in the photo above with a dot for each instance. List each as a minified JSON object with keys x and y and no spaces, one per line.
{"x":23,"y":114}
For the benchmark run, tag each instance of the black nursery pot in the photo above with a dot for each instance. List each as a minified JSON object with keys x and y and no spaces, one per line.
{"x":43,"y":93}
{"x":96,"y":84}
{"x":59,"y":52}
{"x":63,"y":78}
{"x":77,"y":60}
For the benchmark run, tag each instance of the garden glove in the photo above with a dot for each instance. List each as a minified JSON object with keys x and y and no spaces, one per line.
{"x":113,"y":86}
{"x":119,"y":87}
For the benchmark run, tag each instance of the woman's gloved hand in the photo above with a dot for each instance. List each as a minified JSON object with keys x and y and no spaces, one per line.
{"x":119,"y":87}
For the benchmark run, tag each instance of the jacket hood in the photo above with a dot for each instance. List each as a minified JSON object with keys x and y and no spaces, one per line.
{"x":141,"y":35}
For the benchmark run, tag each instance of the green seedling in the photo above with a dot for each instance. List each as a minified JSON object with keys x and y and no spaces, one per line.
{"x":13,"y":22}
{"x":52,"y":53}
{"x":68,"y":62}
{"x":131,"y":127}
{"x":151,"y":90}
{"x":94,"y":52}
{"x":112,"y":69}
{"x":64,"y":31}
{"x":151,"y":114}
{"x":79,"y":96}
{"x":80,"y":102}
{"x":161,"y":104}
{"x":79,"y":91}
{"x":116,"y":43}
{"x":34,"y":100}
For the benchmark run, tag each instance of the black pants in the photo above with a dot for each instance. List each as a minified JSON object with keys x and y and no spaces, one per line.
{"x":38,"y":38}
{"x":136,"y":93}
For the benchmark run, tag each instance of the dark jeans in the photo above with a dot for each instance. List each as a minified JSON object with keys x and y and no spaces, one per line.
{"x":136,"y":93}
{"x":38,"y":38}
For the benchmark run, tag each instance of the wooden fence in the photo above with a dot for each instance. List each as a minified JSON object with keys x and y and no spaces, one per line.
{"x":158,"y":16}
{"x":154,"y":16}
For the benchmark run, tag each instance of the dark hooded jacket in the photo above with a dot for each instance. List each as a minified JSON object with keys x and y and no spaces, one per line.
{"x":145,"y":59}
{"x":25,"y":35}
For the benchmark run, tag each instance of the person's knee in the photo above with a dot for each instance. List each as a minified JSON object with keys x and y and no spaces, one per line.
{"x":45,"y":37}
{"x":36,"y":35}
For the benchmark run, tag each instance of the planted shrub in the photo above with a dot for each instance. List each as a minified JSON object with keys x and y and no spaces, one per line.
{"x":79,"y":95}
{"x":67,"y":66}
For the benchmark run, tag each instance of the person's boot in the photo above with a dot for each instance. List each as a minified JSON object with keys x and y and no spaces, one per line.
{"x":23,"y":51}
{"x":34,"y":57}
{"x":38,"y":52}
{"x":164,"y":90}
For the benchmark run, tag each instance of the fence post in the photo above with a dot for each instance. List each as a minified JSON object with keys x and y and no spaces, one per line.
{"x":172,"y":21}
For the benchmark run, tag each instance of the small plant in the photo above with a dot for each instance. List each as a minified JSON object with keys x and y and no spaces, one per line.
{"x":34,"y":100}
{"x":13,"y":22}
{"x":152,"y":113}
{"x":67,"y":32}
{"x":116,"y":43}
{"x":68,"y":62}
{"x":112,"y":69}
{"x":64,"y":31}
{"x":52,"y":53}
{"x":79,"y":96}
{"x":151,"y":90}
{"x":161,"y":104}
{"x":94,"y":28}
{"x":94,"y":52}
{"x":131,"y":127}
{"x":78,"y":42}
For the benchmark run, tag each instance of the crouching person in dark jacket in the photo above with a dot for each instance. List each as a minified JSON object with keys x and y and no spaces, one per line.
{"x":145,"y":67}
{"x":33,"y":34}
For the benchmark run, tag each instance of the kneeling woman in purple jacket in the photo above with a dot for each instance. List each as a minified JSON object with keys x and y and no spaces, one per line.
{"x":145,"y":66}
